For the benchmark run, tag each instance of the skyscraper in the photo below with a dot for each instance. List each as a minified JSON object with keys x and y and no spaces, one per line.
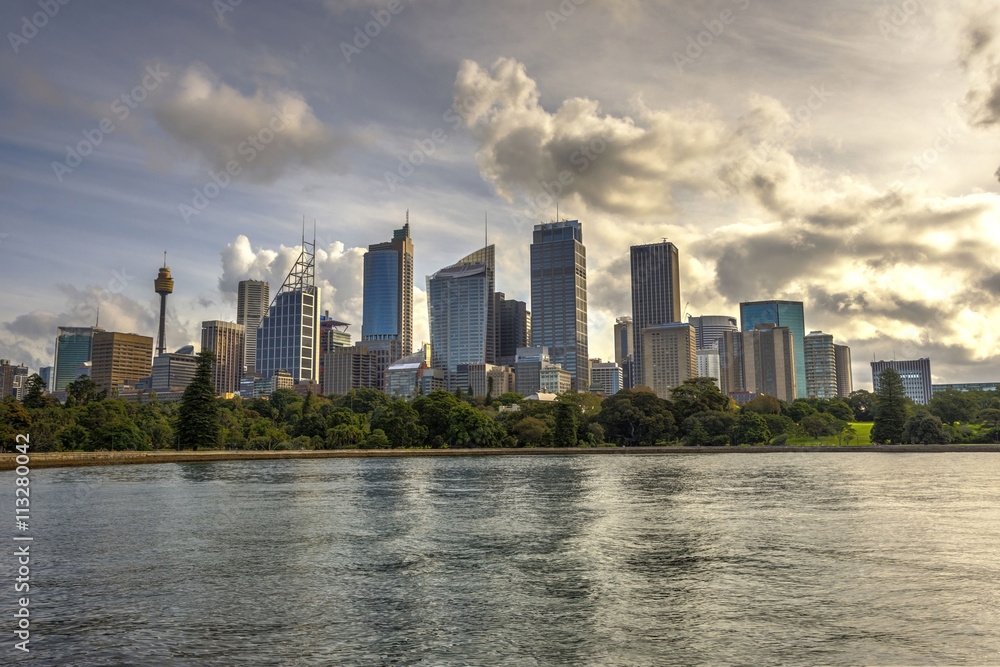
{"x":915,"y":373}
{"x":607,"y":375}
{"x":515,"y":328}
{"x":624,"y":344}
{"x":708,"y":364}
{"x":333,"y":334}
{"x":459,"y":302}
{"x":845,"y":380}
{"x":761,"y":361}
{"x":288,"y":338}
{"x":163,"y":285}
{"x":656,"y":295}
{"x":74,"y":346}
{"x":174,"y":370}
{"x":227,"y":341}
{"x":821,"y":366}
{"x":388,"y":294}
{"x":251,"y":307}
{"x":783,"y":314}
{"x":709,"y":329}
{"x":13,"y":379}
{"x":559,"y":297}
{"x":668,"y":356}
{"x":121,"y":358}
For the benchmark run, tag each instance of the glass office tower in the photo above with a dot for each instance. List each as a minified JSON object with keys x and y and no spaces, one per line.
{"x":288,"y":338}
{"x":459,"y":300}
{"x":74,"y":346}
{"x":559,"y":297}
{"x":783,"y":314}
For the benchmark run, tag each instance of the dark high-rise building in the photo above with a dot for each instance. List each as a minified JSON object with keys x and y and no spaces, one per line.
{"x":251,"y":307}
{"x":13,"y":379}
{"x":559,"y":297}
{"x":783,"y":314}
{"x":163,"y":285}
{"x":74,"y":347}
{"x":227,"y":341}
{"x":845,"y":377}
{"x":708,"y":329}
{"x":916,"y":376}
{"x":288,"y":338}
{"x":656,"y":295}
{"x":515,"y":328}
{"x":387,"y":327}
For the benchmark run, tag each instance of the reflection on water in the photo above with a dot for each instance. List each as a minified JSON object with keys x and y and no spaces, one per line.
{"x":773,"y":558}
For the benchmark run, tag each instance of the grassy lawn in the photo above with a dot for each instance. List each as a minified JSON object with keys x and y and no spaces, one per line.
{"x":863,"y":429}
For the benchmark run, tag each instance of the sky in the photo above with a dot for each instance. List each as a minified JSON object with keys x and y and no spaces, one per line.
{"x":842,"y":153}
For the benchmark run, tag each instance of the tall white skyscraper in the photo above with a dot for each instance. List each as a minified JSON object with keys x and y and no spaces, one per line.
{"x":251,"y":307}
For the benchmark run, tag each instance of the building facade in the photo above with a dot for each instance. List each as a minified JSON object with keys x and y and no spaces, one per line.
{"x":460,"y":302}
{"x":288,"y":337}
{"x":559,"y":297}
{"x":761,"y":361}
{"x":251,"y":307}
{"x":13,"y":379}
{"x":228,"y":341}
{"x":708,"y":329}
{"x":656,"y":296}
{"x":514,"y":327}
{"x":74,"y":346}
{"x":121,"y":359}
{"x":174,"y":370}
{"x":349,"y":368}
{"x":788,"y":314}
{"x":387,"y":324}
{"x":845,"y":376}
{"x":821,"y":366}
{"x":916,"y":376}
{"x":708,"y":363}
{"x":668,"y":356}
{"x":606,"y":377}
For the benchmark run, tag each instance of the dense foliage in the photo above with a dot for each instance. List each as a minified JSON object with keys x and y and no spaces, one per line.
{"x":696,"y":414}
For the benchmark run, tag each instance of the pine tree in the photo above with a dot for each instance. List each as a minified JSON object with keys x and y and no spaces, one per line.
{"x":35,"y":396}
{"x":890,"y":409}
{"x":198,"y":416}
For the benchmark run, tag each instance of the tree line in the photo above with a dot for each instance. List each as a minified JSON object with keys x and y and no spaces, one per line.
{"x":697,"y":413}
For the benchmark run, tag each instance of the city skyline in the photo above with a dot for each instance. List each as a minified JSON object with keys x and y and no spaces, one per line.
{"x":765,"y":176}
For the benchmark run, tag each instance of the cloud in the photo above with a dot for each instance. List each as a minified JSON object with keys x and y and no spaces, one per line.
{"x":901,"y":267}
{"x":266,"y":134}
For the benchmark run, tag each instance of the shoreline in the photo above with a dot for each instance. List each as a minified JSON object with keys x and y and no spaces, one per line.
{"x":75,"y":459}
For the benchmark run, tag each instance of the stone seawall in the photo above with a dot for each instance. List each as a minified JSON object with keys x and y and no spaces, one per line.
{"x":70,"y":459}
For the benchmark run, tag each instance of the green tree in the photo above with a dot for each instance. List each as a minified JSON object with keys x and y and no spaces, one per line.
{"x":401,"y":424}
{"x":637,"y":417}
{"x":35,"y":397}
{"x":763,"y":405}
{"x":74,"y":438}
{"x":84,"y":390}
{"x":751,"y":429}
{"x":509,"y":398}
{"x":567,"y":417}
{"x":840,"y":410}
{"x":696,"y":395}
{"x":800,"y":408}
{"x":952,"y":406}
{"x":814,"y":425}
{"x":469,"y":427}
{"x":924,"y":428}
{"x":198,"y":417}
{"x":778,"y":424}
{"x":532,"y":432}
{"x":696,"y":434}
{"x":14,"y":421}
{"x":846,"y":433}
{"x":862,"y":402}
{"x":435,"y":413}
{"x":377,"y":439}
{"x":890,"y":409}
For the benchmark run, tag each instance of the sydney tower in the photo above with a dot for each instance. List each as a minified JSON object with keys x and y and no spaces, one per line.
{"x":164,"y":286}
